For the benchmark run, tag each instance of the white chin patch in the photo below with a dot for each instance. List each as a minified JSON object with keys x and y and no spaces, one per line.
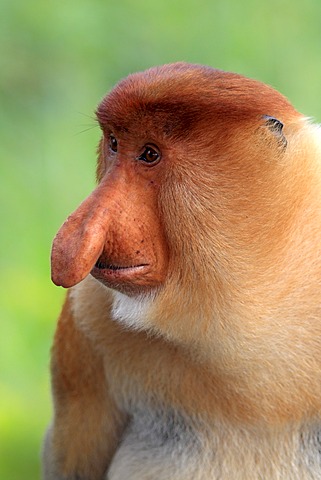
{"x":132,"y":311}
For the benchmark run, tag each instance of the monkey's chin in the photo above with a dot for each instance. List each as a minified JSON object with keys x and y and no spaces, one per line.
{"x":133,"y":280}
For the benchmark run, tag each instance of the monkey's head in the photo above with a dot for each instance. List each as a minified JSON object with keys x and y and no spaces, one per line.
{"x":198,"y":186}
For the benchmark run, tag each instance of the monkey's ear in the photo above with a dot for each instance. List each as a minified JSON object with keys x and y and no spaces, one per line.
{"x":276,"y":127}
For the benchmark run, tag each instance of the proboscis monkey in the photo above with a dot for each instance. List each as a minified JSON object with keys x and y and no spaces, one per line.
{"x":189,"y":346}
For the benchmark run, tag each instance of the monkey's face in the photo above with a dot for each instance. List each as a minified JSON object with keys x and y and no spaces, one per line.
{"x":116,"y":234}
{"x":171,"y":132}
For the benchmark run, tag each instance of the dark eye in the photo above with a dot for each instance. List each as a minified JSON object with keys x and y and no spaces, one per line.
{"x":112,"y":143}
{"x":150,"y":155}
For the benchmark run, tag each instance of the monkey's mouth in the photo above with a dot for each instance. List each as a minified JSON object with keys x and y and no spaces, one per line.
{"x":121,"y":277}
{"x":108,"y":266}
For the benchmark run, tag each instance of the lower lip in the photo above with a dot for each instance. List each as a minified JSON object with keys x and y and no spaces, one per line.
{"x":119,"y":274}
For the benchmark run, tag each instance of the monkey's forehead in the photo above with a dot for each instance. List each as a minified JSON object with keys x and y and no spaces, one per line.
{"x":184,"y":95}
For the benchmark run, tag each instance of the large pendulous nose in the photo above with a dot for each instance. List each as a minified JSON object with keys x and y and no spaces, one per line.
{"x":80,"y":241}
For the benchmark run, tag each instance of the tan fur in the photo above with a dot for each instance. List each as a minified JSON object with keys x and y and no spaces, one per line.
{"x":207,"y":363}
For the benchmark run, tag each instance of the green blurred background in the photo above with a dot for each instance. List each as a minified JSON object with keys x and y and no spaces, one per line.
{"x":57,"y":59}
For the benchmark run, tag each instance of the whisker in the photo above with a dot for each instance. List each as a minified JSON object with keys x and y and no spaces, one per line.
{"x":86,"y":129}
{"x":88,"y":116}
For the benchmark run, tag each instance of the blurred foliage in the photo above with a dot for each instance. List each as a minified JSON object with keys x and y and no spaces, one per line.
{"x":57,"y":59}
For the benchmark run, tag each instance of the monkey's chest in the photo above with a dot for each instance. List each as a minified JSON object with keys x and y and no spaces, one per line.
{"x":158,"y":444}
{"x":166,"y":445}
